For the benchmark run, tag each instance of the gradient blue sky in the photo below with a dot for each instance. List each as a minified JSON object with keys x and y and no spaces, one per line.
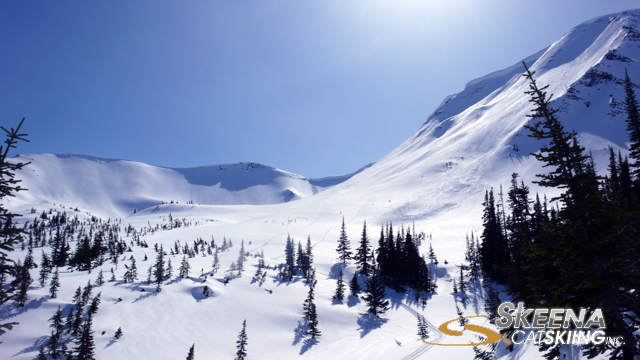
{"x":314,"y":87}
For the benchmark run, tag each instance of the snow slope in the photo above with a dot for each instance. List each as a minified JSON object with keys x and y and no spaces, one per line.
{"x":118,"y":187}
{"x":434,"y":181}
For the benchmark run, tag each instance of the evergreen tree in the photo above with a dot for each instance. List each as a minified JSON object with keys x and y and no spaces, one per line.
{"x":241,"y":343}
{"x":184,"y":268}
{"x":354,"y":286}
{"x":9,"y":232}
{"x":131,"y":274}
{"x":363,"y":253}
{"x":168,"y":273}
{"x":45,"y":269}
{"x":633,"y":126}
{"x":158,"y":269}
{"x":85,"y":346}
{"x":100,"y":279}
{"x":311,"y":315}
{"x":54,"y":285}
{"x":216,"y":263}
{"x":56,"y":332}
{"x":118,"y":333}
{"x":289,"y":258}
{"x":344,"y":248}
{"x":432,"y":255}
{"x":339,"y":295}
{"x":375,"y":293}
{"x":23,"y":281}
{"x":190,"y":355}
{"x":423,"y":331}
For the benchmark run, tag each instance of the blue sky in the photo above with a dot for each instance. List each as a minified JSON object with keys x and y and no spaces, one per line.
{"x":314,"y":87}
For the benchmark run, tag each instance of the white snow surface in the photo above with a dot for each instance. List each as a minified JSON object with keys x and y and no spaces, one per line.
{"x":434,"y":181}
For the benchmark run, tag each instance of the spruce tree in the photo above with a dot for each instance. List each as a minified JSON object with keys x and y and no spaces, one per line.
{"x":374,"y":296}
{"x":311,"y":315}
{"x":45,"y":269}
{"x":633,"y":126}
{"x":184,"y":268}
{"x":363,"y":253}
{"x":289,"y":254}
{"x":339,"y":295}
{"x":190,"y":355}
{"x":216,"y":263}
{"x":9,"y":232}
{"x":23,"y":281}
{"x":354,"y":286}
{"x":85,"y":346}
{"x":158,"y":269}
{"x":344,"y":248}
{"x":241,"y":343}
{"x":54,"y":285}
{"x":423,"y":332}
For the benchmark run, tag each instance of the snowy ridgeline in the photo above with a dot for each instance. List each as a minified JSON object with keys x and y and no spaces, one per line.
{"x":435,"y":180}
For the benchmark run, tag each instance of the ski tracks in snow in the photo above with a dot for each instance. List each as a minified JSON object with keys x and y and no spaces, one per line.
{"x":424,"y":347}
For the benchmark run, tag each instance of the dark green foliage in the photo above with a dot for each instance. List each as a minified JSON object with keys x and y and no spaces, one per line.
{"x":344,"y":247}
{"x":241,"y":343}
{"x":85,"y":346}
{"x":310,"y":314}
{"x":363,"y":253}
{"x":584,"y":252}
{"x":633,"y":126}
{"x":375,"y":295}
{"x":339,"y":295}
{"x":190,"y":355}
{"x":354,"y":286}
{"x":9,"y":233}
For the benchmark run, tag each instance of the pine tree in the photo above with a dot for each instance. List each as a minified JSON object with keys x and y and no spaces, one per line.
{"x":216,"y":263}
{"x":45,"y":269}
{"x":168,"y":272}
{"x":633,"y":126}
{"x":184,"y":268}
{"x":100,"y":279}
{"x":158,"y":269}
{"x":311,"y":315}
{"x":241,"y":343}
{"x":54,"y":285}
{"x":375,"y":293}
{"x":85,"y":346}
{"x":354,"y":286}
{"x":23,"y":281}
{"x":432,"y":255}
{"x":118,"y":333}
{"x":9,"y":232}
{"x":339,"y":295}
{"x":41,"y":354}
{"x":56,"y":332}
{"x":344,"y":248}
{"x":423,"y":331}
{"x":190,"y":355}
{"x":289,"y":254}
{"x":131,"y":274}
{"x":363,"y":253}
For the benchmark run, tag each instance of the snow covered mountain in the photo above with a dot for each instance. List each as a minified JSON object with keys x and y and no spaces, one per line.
{"x":118,"y":187}
{"x":434,"y":181}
